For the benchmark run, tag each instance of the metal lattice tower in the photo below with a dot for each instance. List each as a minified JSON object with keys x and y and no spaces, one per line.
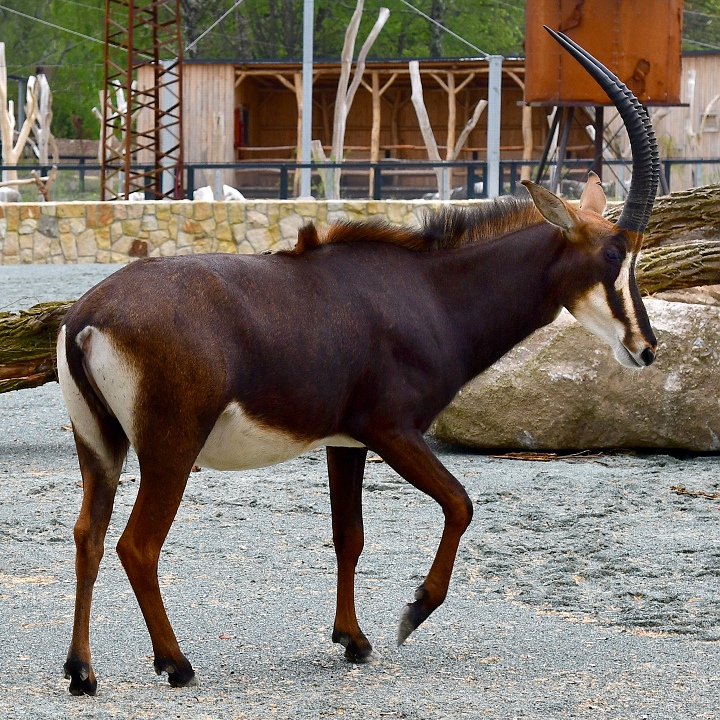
{"x":142,"y":115}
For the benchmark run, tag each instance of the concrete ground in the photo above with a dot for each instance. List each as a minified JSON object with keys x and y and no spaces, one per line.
{"x":584,"y":587}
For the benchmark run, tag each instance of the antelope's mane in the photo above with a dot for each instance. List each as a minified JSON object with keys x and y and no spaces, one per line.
{"x":444,"y":229}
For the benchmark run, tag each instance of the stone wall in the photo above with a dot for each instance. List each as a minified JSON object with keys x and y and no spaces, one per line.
{"x":87,"y":232}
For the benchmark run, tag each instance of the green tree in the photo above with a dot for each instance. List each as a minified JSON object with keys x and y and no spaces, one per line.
{"x":72,"y":62}
{"x":255,"y":30}
{"x":701,"y":25}
{"x":272,"y":29}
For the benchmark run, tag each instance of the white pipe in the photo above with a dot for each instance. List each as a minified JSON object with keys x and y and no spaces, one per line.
{"x":493,"y":130}
{"x":307,"y":93}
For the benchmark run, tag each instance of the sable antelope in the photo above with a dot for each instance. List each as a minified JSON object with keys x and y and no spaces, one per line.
{"x":354,"y":340}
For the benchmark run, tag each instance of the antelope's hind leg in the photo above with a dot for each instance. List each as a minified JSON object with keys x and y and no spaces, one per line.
{"x":163,"y":477}
{"x":346,"y":467}
{"x":101,"y":447}
{"x":99,"y":486}
{"x":410,"y":457}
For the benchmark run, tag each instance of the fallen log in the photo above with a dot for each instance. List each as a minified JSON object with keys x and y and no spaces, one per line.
{"x":681,"y":217}
{"x":678,"y":267}
{"x":27,"y":345}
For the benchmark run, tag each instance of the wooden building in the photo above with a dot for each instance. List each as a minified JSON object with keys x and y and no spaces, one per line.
{"x":691,"y":131}
{"x":250,"y":112}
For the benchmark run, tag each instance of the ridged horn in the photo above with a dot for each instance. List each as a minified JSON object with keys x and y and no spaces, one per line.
{"x":646,"y":159}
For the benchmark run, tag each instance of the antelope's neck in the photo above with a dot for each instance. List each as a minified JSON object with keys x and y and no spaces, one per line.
{"x":498,"y":293}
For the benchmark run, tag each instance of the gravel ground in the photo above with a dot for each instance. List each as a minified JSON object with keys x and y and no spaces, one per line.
{"x":583,"y":588}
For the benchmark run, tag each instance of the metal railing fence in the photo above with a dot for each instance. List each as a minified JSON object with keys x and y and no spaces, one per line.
{"x":386,"y":179}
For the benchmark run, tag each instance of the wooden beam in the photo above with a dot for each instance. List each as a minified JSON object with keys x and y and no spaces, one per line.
{"x":289,"y":85}
{"x":452,"y":112}
{"x":527,"y":134}
{"x":377,"y":93}
{"x":297,"y":77}
{"x":465,"y":82}
{"x":374,"y":130}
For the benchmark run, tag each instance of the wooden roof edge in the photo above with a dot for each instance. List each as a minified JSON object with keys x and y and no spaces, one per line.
{"x":458,"y":64}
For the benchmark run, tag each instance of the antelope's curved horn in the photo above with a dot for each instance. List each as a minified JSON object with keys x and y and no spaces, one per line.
{"x":646,"y":159}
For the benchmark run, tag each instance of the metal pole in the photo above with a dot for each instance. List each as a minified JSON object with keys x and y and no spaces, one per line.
{"x":599,"y":132}
{"x":22,"y":95}
{"x":307,"y":93}
{"x":130,"y":99}
{"x":562,"y":148}
{"x":493,"y":131}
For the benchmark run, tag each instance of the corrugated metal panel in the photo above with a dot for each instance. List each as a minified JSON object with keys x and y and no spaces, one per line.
{"x":639,"y":40}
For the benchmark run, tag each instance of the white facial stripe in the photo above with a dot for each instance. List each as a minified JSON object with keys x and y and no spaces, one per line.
{"x":622,"y":286}
{"x":593,"y":311}
{"x":623,"y":278}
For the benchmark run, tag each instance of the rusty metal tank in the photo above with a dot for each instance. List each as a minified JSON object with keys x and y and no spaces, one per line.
{"x":639,"y":40}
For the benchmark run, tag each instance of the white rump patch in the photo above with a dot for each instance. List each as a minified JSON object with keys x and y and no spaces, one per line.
{"x":83,"y":419}
{"x":113,"y":375}
{"x":237,"y":442}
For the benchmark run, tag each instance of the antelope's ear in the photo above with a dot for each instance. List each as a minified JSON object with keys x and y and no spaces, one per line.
{"x":551,"y":207}
{"x":593,"y":196}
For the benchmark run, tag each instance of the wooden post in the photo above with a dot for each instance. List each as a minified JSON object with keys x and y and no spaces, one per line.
{"x":298,"y":78}
{"x":527,"y":134}
{"x":11,"y":149}
{"x":377,"y":94}
{"x":427,"y":133}
{"x":527,"y":131}
{"x":296,"y":88}
{"x":44,"y":138}
{"x":345,"y":95}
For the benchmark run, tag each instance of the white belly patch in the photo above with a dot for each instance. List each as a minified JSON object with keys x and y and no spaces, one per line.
{"x":237,"y":442}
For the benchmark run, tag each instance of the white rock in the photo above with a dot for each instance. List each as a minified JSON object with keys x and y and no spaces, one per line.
{"x":206,"y":194}
{"x":9,"y":194}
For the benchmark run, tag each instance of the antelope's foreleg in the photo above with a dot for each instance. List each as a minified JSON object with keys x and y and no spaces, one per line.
{"x":346,"y":467}
{"x":99,"y":485}
{"x":159,"y":495}
{"x":411,"y":458}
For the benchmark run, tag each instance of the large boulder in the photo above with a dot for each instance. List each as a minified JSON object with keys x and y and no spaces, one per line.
{"x":562,"y":389}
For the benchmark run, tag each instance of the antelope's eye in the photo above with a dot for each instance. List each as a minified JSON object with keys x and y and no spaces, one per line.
{"x":613,"y":255}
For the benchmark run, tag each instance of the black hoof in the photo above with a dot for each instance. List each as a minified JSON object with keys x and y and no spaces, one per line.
{"x":180,"y":674}
{"x":355,"y":652}
{"x":80,"y":675}
{"x":413,"y":615}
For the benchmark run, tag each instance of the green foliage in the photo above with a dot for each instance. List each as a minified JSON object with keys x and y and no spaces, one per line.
{"x":255,"y":30}
{"x":271,"y":30}
{"x":73,"y":64}
{"x":701,"y":25}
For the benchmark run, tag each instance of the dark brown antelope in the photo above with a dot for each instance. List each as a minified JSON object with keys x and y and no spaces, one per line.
{"x":356,"y":339}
